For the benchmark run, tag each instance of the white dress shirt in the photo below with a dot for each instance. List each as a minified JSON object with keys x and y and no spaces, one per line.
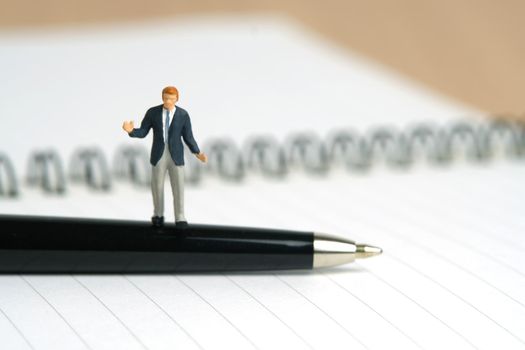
{"x":172,"y":113}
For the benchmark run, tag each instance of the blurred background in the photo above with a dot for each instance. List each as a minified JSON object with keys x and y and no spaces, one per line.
{"x":471,"y":50}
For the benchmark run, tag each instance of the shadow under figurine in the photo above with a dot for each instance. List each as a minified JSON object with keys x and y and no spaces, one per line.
{"x":170,"y":123}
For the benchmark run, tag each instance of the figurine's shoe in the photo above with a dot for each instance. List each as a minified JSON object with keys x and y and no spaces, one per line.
{"x":157,"y":221}
{"x":181,"y":224}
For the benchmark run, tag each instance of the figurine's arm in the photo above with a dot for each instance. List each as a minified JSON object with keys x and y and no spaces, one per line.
{"x":141,"y":132}
{"x":187,"y":136}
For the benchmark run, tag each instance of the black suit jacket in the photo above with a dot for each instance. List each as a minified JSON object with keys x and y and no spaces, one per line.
{"x":179,"y":127}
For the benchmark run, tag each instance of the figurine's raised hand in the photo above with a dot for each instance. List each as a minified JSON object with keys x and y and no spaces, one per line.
{"x":128,"y":126}
{"x":202,"y":157}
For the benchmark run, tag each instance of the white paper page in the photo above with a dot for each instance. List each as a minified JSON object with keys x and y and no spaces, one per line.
{"x":431,"y":288}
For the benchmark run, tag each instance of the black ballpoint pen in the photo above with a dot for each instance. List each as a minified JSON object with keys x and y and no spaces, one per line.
{"x":38,"y":244}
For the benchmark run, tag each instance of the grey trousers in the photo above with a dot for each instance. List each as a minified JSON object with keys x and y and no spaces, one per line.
{"x":158,"y":177}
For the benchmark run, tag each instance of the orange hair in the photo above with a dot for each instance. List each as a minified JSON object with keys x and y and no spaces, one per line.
{"x":170,"y":90}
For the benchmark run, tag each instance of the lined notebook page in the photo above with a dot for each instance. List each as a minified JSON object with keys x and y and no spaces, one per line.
{"x":452,"y":274}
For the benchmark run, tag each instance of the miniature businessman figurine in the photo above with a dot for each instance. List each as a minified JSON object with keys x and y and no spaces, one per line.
{"x":169,"y":123}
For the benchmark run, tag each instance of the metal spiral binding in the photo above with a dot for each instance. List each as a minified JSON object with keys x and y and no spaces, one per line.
{"x":89,"y":165}
{"x":46,"y":171}
{"x":437,"y":145}
{"x":8,"y":181}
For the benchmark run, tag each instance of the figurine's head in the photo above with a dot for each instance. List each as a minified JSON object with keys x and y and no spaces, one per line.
{"x":170,"y":96}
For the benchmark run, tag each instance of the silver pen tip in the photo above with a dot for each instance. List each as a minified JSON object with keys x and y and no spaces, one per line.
{"x":330,"y":250}
{"x":365,"y":251}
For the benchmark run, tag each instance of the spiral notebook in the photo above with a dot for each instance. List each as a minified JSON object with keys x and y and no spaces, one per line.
{"x":438,"y":187}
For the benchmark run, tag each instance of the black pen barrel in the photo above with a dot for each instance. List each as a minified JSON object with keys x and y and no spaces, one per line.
{"x":32,"y":244}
